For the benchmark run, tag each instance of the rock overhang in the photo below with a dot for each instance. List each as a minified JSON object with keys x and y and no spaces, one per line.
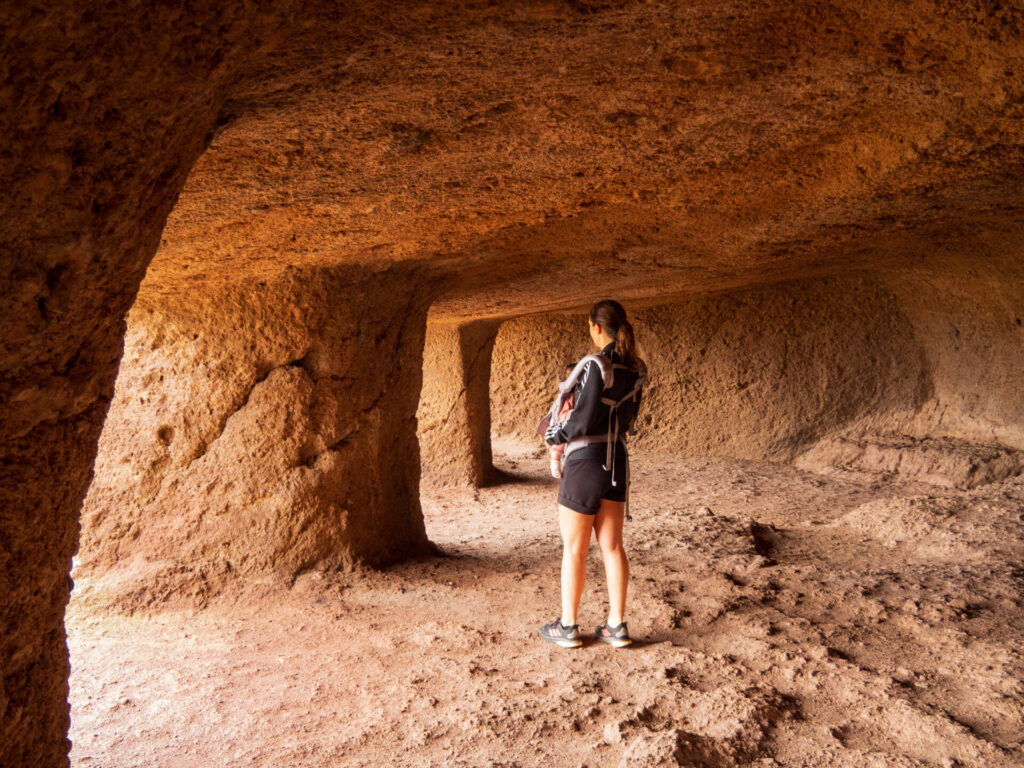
{"x":629,"y":148}
{"x":514,"y":158}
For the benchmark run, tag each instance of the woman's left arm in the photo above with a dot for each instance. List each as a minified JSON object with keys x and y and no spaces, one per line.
{"x":583,"y":413}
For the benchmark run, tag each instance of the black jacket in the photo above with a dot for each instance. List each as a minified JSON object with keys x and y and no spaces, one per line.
{"x":589,"y":415}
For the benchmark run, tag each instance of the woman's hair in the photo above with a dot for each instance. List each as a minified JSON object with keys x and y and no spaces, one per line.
{"x":611,"y":316}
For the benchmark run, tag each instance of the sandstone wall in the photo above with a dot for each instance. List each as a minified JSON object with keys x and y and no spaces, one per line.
{"x":103,"y":109}
{"x":529,"y":359}
{"x":757,"y":374}
{"x":505,"y":163}
{"x":261,"y":428}
{"x":454,"y":416}
{"x":968,"y":316}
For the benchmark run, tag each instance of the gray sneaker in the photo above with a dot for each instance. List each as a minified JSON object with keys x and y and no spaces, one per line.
{"x":567,"y":637}
{"x":617,"y":636}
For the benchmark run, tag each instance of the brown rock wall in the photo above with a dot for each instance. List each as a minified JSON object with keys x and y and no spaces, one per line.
{"x":105,"y":107}
{"x":968,"y":315}
{"x":533,"y":155}
{"x":454,"y":415}
{"x":756,"y":374}
{"x":263,"y":429}
{"x":529,"y":359}
{"x":45,"y":475}
{"x":767,"y":372}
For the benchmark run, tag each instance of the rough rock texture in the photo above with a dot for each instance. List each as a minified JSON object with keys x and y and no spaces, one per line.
{"x":874,"y":624}
{"x":105,"y":107}
{"x":539,"y":348}
{"x":968,"y":316}
{"x":263,"y":429}
{"x":727,"y":725}
{"x":951,"y":463}
{"x":756,"y":374}
{"x":541,"y":155}
{"x":455,"y":413}
{"x":766,"y":373}
{"x":533,"y":156}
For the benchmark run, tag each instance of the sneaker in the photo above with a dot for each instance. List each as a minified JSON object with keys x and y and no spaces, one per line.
{"x":567,"y":637}
{"x":617,"y":636}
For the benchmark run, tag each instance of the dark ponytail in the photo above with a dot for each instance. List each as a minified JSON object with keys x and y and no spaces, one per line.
{"x":611,"y":317}
{"x":625,"y":344}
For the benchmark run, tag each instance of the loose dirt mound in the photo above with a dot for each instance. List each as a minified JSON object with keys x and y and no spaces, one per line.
{"x":950,"y":463}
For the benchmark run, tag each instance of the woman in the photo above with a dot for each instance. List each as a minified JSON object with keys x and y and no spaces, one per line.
{"x":594,"y":483}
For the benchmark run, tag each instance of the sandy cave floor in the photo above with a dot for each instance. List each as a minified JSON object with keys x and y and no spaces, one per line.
{"x":878,"y":624}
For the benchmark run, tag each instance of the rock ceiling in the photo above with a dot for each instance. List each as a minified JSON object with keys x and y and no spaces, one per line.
{"x":534,"y":156}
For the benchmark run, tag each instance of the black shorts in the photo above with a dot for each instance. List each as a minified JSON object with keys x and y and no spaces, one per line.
{"x":585,"y":481}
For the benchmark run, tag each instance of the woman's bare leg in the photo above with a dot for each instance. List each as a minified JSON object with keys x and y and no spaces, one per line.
{"x":608,"y":526}
{"x":576,"y":530}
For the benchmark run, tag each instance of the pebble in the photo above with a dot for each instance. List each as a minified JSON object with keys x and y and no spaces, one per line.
{"x":613,"y":733}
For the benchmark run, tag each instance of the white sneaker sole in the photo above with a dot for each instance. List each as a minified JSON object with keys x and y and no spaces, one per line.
{"x":564,"y":642}
{"x":618,"y":642}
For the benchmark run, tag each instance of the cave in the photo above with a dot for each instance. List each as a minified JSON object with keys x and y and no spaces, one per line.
{"x":287,"y":289}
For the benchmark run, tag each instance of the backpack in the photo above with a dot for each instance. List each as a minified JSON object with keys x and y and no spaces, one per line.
{"x":566,"y":387}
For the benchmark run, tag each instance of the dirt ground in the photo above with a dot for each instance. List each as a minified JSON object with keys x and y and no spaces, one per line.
{"x":782,"y":617}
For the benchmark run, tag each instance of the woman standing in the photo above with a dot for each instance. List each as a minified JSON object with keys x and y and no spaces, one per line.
{"x":595,"y":478}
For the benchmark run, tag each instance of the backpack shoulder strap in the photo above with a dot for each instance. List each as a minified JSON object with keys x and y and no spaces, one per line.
{"x":641,"y":380}
{"x":603,"y":364}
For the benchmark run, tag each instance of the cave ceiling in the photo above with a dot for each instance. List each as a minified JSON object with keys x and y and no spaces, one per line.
{"x":533,"y":156}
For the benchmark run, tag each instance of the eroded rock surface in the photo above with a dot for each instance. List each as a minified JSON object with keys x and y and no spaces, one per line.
{"x":103,"y":109}
{"x":264,"y":429}
{"x":949,"y":463}
{"x":531,"y":157}
{"x":757,"y":374}
{"x":767,"y":373}
{"x":454,"y":417}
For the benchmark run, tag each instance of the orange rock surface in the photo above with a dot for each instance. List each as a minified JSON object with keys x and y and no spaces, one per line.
{"x":828,"y":194}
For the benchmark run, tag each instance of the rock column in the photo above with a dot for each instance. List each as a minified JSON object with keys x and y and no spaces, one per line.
{"x":265,"y":428}
{"x":455,"y":411}
{"x":104,"y":114}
